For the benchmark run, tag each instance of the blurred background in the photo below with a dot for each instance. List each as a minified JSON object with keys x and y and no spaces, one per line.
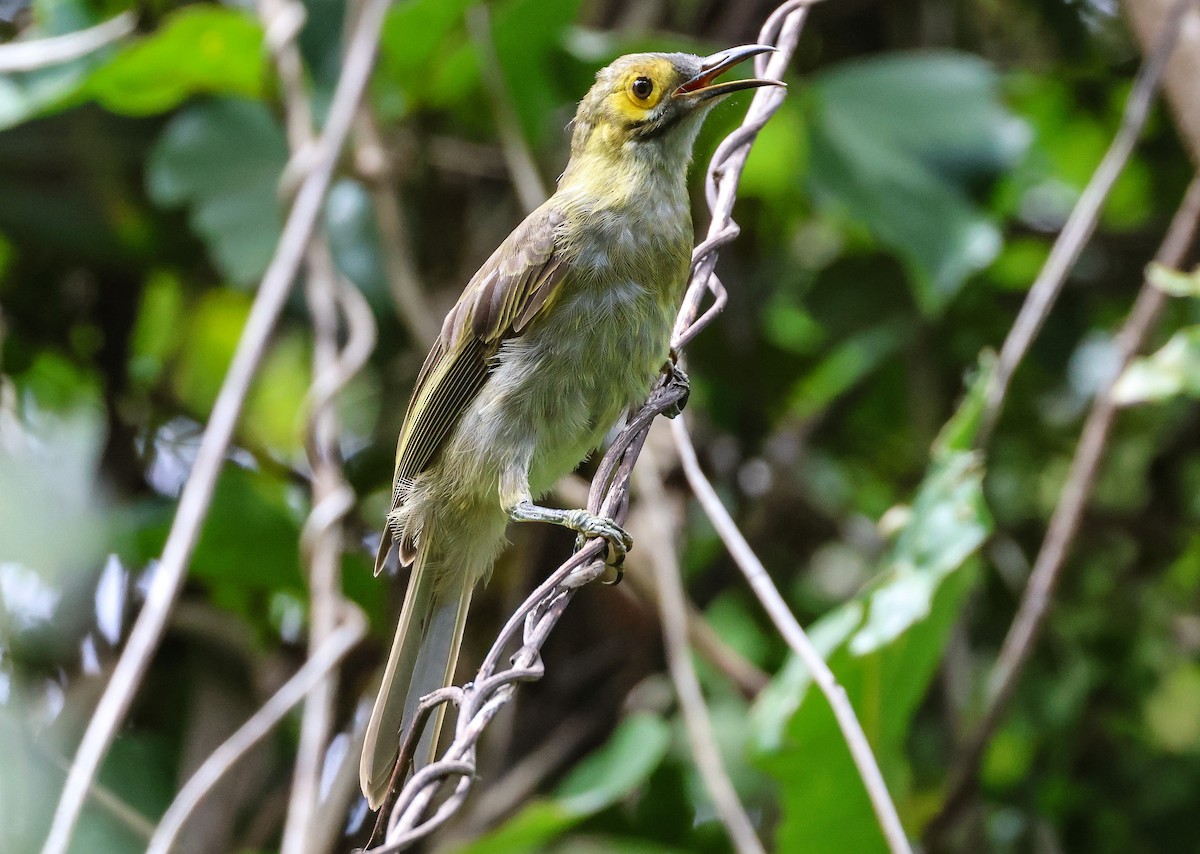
{"x":893,"y":214}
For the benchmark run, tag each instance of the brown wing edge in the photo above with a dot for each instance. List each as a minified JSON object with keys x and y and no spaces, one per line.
{"x":503,"y":297}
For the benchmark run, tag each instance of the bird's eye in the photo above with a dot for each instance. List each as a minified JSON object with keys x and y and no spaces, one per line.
{"x":642,"y":88}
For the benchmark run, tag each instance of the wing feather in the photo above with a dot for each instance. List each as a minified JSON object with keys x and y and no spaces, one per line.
{"x":501,"y":300}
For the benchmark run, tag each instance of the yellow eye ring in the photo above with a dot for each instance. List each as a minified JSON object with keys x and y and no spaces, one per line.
{"x":643,"y":92}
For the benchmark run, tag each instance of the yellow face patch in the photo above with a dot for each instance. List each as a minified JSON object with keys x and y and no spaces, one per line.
{"x":643,"y":87}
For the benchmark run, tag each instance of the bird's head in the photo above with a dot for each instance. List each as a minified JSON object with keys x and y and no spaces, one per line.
{"x":651,"y":105}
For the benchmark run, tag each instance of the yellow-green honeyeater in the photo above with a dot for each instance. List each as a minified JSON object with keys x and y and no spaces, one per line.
{"x":560,"y":332}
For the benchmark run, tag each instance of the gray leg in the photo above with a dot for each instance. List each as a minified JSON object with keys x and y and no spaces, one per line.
{"x":585,"y":524}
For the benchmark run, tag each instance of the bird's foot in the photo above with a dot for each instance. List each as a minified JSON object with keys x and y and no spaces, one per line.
{"x":677,"y":379}
{"x":617,"y":540}
{"x":588,"y":526}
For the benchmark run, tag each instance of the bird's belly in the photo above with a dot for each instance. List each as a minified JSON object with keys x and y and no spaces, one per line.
{"x":557,"y":390}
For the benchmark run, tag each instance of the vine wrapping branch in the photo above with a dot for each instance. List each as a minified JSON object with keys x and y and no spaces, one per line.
{"x":407,"y":818}
{"x":197,"y":492}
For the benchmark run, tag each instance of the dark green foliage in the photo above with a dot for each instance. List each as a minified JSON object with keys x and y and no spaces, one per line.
{"x":894,"y":214}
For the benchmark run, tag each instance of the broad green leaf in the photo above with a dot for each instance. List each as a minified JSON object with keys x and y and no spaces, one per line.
{"x":1174,"y":282}
{"x":222,"y":159}
{"x":414,"y":45}
{"x":274,"y":417}
{"x":1172,"y":371}
{"x":602,"y":779}
{"x":778,"y":158}
{"x":214,"y":326}
{"x":250,"y":540}
{"x":846,"y":366}
{"x":529,"y":36}
{"x":883,"y":646}
{"x":896,"y":143}
{"x":197,"y":50}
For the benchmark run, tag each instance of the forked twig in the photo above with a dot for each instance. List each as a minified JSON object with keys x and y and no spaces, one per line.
{"x":452,"y":775}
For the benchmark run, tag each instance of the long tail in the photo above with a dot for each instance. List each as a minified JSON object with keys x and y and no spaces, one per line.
{"x":422,"y":659}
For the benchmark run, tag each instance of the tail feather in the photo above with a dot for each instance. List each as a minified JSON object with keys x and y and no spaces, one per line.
{"x":422,"y":660}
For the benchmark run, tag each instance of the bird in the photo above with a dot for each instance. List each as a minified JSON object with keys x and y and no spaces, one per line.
{"x":561,"y":331}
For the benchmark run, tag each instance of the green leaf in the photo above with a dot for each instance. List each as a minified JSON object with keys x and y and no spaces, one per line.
{"x":1174,"y":282}
{"x":529,"y":36}
{"x":1172,"y":371}
{"x":851,"y":361}
{"x":958,"y":434}
{"x":883,"y":647}
{"x":222,"y":159}
{"x":215,"y":324}
{"x":603,"y":778}
{"x":899,"y":135}
{"x":274,"y":417}
{"x":198,"y":49}
{"x":49,"y":476}
{"x":250,"y":540}
{"x":414,"y":46}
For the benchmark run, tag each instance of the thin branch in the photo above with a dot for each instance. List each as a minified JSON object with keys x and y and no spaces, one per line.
{"x":123,"y":812}
{"x":742,"y":673}
{"x":198,"y":491}
{"x":55,"y":50}
{"x":531,"y":189}
{"x":525,"y":777}
{"x":673,"y":611}
{"x":745,"y":675}
{"x":282,"y":21}
{"x":221,"y":761}
{"x":1064,"y":524}
{"x":775,"y":606}
{"x":322,"y":536}
{"x":1081,"y":223}
{"x":409,"y":818}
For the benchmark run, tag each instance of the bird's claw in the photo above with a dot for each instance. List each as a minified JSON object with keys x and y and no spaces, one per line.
{"x":616,"y":539}
{"x":679,"y":379}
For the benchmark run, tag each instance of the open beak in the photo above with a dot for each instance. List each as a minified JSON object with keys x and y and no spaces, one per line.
{"x":702,"y":88}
